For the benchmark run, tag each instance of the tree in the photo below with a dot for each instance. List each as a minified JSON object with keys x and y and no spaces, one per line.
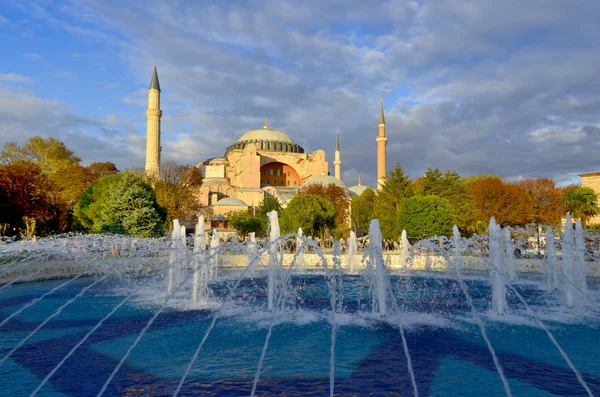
{"x":426,"y":216}
{"x":582,"y":202}
{"x":121,"y":202}
{"x":91,"y":206}
{"x":23,"y":200}
{"x":100,"y":169}
{"x":244,"y":222}
{"x":48,"y":154}
{"x":396,"y":189}
{"x":545,"y":200}
{"x":267,"y":205}
{"x":508,"y":203}
{"x":133,"y":205}
{"x":312,"y":213}
{"x":451,"y":186}
{"x":177,"y":189}
{"x":362,"y":211}
{"x":336,"y":196}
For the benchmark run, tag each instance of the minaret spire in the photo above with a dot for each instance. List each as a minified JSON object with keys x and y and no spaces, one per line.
{"x":337,"y":162}
{"x":266,"y":123}
{"x":153,"y":114}
{"x":381,"y":147}
{"x":381,"y":117}
{"x":359,"y":180}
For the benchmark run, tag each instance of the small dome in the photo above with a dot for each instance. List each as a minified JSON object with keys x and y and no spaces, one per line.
{"x":230,"y":202}
{"x":358,"y":189}
{"x":266,"y":134}
{"x":326,"y":180}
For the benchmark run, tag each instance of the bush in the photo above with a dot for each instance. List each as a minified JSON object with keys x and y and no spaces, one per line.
{"x":426,"y":216}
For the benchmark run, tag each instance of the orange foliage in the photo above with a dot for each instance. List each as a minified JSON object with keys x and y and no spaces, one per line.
{"x":507,"y":202}
{"x":545,"y":200}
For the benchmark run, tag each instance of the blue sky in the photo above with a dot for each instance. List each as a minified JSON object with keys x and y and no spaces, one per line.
{"x":508,"y":87}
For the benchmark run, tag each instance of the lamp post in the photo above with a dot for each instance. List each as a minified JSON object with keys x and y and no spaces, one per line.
{"x":537,"y":227}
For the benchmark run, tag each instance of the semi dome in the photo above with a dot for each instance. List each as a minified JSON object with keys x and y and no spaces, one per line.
{"x":267,"y":139}
{"x":326,"y":180}
{"x":230,"y":202}
{"x":358,"y":189}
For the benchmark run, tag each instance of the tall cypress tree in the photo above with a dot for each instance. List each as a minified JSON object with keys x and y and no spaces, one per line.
{"x":396,"y":189}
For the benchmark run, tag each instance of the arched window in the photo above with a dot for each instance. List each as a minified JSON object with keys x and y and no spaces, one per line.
{"x":220,"y":188}
{"x":229,"y":192}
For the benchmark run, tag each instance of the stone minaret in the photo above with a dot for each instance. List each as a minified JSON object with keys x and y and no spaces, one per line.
{"x":381,"y":143}
{"x":337,"y":162}
{"x":153,"y":128}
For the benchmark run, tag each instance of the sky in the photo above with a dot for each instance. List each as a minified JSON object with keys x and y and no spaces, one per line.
{"x":484,"y":86}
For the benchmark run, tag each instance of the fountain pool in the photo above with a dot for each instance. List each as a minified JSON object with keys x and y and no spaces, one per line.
{"x":318,"y":332}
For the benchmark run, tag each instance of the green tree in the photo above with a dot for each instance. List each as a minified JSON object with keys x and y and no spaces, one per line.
{"x":426,"y":216}
{"x":582,"y":202}
{"x":451,"y":186}
{"x":362,"y":211}
{"x":91,"y":206}
{"x":48,"y":154}
{"x":121,"y":202}
{"x":312,"y":213}
{"x":267,"y":205}
{"x":396,"y":189}
{"x":244,"y":223}
{"x":133,"y":205}
{"x":341,"y":202}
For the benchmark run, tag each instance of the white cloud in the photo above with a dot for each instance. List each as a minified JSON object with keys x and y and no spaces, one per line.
{"x":32,"y":56}
{"x":15,"y":78}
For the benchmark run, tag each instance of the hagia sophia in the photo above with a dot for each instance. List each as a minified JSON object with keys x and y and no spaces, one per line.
{"x":263,"y":162}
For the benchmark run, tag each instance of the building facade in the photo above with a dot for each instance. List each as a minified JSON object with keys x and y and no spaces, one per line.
{"x":263,"y":162}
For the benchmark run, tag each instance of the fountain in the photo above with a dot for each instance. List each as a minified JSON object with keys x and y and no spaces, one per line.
{"x":551,"y":264}
{"x":352,"y":248}
{"x":270,"y":326}
{"x":499,"y":305}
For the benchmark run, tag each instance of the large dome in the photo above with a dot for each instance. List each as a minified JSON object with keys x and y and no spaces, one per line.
{"x":266,"y":134}
{"x":267,"y":139}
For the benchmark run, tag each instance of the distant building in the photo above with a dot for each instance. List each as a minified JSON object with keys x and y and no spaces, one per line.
{"x":263,"y":162}
{"x":592,"y":180}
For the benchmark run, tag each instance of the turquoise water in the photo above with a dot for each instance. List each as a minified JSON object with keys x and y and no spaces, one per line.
{"x":448,"y":353}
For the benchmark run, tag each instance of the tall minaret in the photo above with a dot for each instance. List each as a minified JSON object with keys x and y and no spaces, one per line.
{"x":153,"y":128}
{"x":337,"y":162}
{"x":381,"y":143}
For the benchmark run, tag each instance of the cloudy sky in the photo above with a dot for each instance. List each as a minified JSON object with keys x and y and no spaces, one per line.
{"x":506,"y":87}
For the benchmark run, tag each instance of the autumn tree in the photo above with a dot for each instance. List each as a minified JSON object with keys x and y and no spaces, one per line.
{"x":23,"y":200}
{"x":312,"y":213}
{"x":177,"y":189}
{"x":362,"y":211}
{"x":582,"y":203}
{"x":336,"y":195}
{"x":508,"y":203}
{"x":48,"y":154}
{"x":545,"y":200}
{"x":396,"y":189}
